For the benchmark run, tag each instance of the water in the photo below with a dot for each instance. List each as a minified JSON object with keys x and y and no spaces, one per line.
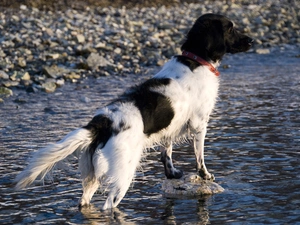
{"x":252,"y":147}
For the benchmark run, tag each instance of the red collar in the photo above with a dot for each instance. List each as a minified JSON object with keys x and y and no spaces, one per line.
{"x":201,"y":61}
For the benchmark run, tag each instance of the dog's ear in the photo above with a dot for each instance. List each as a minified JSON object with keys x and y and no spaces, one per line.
{"x":206,"y":39}
{"x":215,"y":41}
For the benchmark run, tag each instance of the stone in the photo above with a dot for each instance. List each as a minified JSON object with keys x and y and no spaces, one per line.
{"x":190,"y":185}
{"x":72,"y":76}
{"x":49,"y":87}
{"x":262,"y":51}
{"x":54,"y":71}
{"x":22,"y":62}
{"x":5,"y":91}
{"x":118,"y":50}
{"x":3,"y":75}
{"x":85,"y":99}
{"x":80,"y":38}
{"x":94,"y":61}
{"x":26,"y":76}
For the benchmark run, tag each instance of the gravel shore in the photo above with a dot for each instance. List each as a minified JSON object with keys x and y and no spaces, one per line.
{"x":41,"y":50}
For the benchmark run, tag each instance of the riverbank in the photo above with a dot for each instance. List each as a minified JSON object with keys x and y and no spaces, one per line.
{"x":41,"y":50}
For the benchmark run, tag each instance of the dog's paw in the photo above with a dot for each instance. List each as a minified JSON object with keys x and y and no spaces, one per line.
{"x":83,"y":204}
{"x":175,"y":174}
{"x":206,"y":175}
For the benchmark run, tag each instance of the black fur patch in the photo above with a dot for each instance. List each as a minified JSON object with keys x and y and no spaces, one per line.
{"x":122,"y":127}
{"x":101,"y":129}
{"x":155,"y":108}
{"x":192,"y":64}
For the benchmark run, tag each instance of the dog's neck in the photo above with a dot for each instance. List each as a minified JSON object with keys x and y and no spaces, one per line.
{"x":211,"y":65}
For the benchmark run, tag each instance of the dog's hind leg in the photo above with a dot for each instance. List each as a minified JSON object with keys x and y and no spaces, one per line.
{"x":166,"y":158}
{"x":90,"y":186}
{"x":90,"y":181}
{"x":125,"y":154}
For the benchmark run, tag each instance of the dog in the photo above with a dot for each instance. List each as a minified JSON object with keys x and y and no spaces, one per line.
{"x":170,"y":107}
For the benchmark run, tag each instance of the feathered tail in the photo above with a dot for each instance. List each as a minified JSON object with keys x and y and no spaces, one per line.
{"x":44,"y":159}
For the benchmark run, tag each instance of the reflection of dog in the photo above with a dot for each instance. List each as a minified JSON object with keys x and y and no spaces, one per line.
{"x":174,"y":105}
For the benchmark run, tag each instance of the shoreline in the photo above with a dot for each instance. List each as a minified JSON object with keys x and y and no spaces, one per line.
{"x":41,"y":50}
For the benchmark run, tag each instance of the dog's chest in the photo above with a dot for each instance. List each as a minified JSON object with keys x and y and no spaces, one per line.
{"x":192,"y":95}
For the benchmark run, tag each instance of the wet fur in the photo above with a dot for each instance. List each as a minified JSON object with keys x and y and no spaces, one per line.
{"x":172,"y":106}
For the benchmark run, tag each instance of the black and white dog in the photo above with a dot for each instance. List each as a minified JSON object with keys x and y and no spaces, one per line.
{"x":172,"y":106}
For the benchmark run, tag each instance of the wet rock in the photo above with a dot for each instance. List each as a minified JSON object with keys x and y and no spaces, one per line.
{"x":5,"y":92}
{"x":85,"y":99}
{"x":60,"y":82}
{"x":20,"y":100}
{"x":262,"y":51}
{"x":190,"y":185}
{"x":49,"y":86}
{"x":32,"y":89}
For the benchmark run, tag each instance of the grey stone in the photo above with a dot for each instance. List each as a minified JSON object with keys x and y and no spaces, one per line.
{"x":54,"y":71}
{"x":94,"y":61}
{"x":190,"y":185}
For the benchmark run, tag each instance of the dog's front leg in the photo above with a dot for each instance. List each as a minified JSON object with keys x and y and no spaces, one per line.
{"x":199,"y":137}
{"x":166,"y":159}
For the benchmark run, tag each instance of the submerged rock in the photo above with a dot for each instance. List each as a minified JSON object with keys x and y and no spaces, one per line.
{"x":190,"y":185}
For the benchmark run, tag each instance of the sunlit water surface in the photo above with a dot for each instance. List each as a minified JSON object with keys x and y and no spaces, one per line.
{"x":252,"y":147}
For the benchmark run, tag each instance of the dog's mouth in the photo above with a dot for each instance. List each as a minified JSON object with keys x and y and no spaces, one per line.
{"x":244,"y":45}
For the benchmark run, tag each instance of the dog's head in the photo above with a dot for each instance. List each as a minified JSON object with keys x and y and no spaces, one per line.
{"x":214,"y":35}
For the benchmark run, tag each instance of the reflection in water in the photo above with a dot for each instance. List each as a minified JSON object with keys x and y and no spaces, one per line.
{"x":252,"y":147}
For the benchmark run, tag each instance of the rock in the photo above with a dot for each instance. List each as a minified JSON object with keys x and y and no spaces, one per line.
{"x":3,"y":75}
{"x":85,"y":99}
{"x":262,"y":51}
{"x":54,"y":71}
{"x":72,"y":76}
{"x":118,"y":51}
{"x":5,"y":91}
{"x":190,"y":185}
{"x":19,"y":75}
{"x":95,"y":61}
{"x":49,"y":87}
{"x":22,"y":62}
{"x":60,"y":82}
{"x":26,"y":76}
{"x":31,"y":89}
{"x":80,"y":38}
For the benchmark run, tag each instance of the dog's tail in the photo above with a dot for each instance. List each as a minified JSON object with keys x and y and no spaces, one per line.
{"x":46,"y":158}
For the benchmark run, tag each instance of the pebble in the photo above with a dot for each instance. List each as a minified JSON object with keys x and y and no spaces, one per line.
{"x":69,"y":44}
{"x":262,"y":51}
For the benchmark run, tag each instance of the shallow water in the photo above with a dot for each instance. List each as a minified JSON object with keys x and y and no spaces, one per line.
{"x":252,"y":147}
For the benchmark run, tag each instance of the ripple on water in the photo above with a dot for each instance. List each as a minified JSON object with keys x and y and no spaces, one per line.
{"x":252,"y":147}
